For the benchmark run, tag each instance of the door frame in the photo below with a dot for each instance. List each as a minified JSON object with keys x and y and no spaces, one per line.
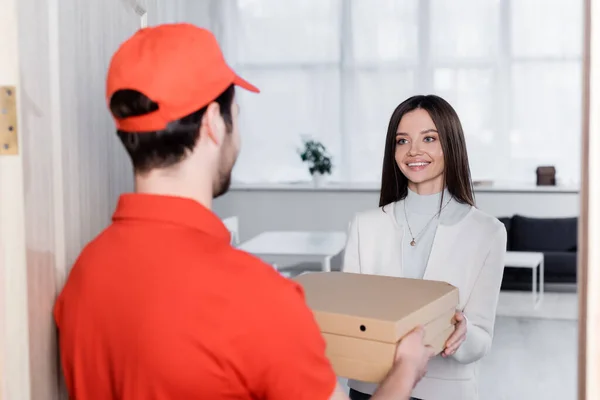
{"x":589,"y":220}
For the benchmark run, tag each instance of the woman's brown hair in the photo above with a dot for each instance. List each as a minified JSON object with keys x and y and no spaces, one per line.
{"x":457,"y":175}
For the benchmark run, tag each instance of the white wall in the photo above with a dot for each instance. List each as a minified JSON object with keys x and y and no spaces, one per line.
{"x":93,"y":158}
{"x":300,"y":207}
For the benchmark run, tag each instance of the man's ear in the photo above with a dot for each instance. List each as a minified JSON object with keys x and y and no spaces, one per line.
{"x":212,"y":121}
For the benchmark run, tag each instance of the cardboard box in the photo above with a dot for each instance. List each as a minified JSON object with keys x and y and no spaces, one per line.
{"x":363,"y":317}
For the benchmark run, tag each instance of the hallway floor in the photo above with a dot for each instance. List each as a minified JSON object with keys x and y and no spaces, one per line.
{"x":531,"y":359}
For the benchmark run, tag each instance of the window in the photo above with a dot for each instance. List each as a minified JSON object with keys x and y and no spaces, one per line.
{"x":546,"y":86}
{"x":336,"y":69}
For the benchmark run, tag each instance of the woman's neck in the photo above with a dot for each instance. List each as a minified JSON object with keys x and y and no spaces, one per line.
{"x":429,"y":187}
{"x":426,"y":204}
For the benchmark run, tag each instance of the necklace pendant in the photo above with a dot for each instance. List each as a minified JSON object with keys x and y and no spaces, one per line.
{"x":413,"y":243}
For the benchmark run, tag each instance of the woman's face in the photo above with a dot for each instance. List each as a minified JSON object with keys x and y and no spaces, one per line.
{"x":419,"y":152}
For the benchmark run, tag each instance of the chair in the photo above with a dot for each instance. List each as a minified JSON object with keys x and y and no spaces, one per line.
{"x":232,"y":225}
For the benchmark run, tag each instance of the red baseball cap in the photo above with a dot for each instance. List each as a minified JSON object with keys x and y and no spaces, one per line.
{"x":178,"y":66}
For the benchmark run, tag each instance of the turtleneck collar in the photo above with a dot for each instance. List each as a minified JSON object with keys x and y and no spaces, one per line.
{"x":425,"y":204}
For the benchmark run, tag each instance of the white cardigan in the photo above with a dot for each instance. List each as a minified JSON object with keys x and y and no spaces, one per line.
{"x":468,"y":254}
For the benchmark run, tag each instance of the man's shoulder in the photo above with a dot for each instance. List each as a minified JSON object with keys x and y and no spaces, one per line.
{"x":102,"y":243}
{"x":93,"y":252}
{"x":261,"y":279}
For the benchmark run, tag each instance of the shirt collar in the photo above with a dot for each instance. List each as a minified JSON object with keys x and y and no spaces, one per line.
{"x":172,"y":210}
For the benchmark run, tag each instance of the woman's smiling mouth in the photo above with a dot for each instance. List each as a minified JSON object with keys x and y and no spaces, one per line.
{"x":418,"y":165}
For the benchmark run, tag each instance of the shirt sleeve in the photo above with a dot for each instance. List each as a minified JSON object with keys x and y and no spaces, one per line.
{"x":481,"y":307}
{"x":292,"y":352}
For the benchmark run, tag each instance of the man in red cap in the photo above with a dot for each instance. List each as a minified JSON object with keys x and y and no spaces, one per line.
{"x":160,"y":306}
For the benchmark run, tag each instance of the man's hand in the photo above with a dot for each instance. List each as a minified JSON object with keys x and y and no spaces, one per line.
{"x":458,"y":336}
{"x":413,"y":353}
{"x":412,"y":357}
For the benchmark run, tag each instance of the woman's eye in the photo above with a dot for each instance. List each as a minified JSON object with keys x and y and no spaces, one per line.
{"x":401,"y":141}
{"x":429,"y":139}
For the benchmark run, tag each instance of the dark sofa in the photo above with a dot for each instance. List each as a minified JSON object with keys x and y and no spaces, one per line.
{"x":555,"y":237}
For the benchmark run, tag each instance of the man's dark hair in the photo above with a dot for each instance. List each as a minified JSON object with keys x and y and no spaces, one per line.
{"x":165,"y":148}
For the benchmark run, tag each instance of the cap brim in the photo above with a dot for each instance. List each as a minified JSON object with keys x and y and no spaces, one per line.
{"x":238,"y":81}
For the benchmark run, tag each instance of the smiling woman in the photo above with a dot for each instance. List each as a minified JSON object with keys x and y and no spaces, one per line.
{"x":426,"y":227}
{"x":425,"y":151}
{"x":419,"y":153}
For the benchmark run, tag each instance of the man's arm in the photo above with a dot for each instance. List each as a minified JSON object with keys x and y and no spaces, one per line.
{"x":399,"y":390}
{"x":412,"y":357}
{"x":339,"y":394}
{"x":285,"y":352}
{"x":285,"y":357}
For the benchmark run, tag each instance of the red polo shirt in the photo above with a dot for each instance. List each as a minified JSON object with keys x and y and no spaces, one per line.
{"x":160,"y":306}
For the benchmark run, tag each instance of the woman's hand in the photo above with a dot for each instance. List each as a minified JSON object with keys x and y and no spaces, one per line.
{"x":458,"y":336}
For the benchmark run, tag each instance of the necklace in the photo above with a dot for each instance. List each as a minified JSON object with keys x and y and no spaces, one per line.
{"x":413,"y":242}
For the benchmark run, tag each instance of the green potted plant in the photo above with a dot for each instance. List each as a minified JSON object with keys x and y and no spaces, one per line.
{"x":318,"y":159}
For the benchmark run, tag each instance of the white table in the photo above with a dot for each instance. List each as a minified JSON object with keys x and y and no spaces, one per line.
{"x":534,"y":261}
{"x":288,"y":247}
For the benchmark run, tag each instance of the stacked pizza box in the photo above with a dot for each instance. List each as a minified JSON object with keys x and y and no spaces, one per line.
{"x":363,"y":317}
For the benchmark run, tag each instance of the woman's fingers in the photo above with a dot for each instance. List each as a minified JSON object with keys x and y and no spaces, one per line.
{"x":458,"y":336}
{"x":458,"y":318}
{"x":452,"y":347}
{"x":452,"y":339}
{"x":459,"y":330}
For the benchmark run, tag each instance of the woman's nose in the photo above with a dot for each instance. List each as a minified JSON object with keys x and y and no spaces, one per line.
{"x":415,"y":148}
